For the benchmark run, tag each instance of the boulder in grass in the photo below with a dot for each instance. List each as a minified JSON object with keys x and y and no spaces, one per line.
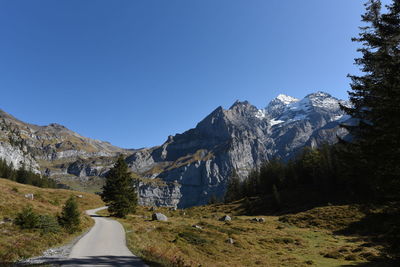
{"x":29,"y":196}
{"x":225,"y":218}
{"x":230,"y":240}
{"x":159,"y":217}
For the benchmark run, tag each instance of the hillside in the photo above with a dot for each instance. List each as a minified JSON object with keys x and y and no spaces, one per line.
{"x":196,"y":237}
{"x":16,"y":243}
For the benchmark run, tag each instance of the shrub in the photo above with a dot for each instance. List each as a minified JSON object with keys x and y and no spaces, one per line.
{"x":48,"y":224}
{"x":70,"y":216}
{"x":28,"y":219}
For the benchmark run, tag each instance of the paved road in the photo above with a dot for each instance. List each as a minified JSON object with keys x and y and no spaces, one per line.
{"x":103,"y":245}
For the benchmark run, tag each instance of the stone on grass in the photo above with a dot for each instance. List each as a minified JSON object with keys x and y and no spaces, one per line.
{"x":225,"y":218}
{"x":29,"y":196}
{"x":197,"y":226}
{"x":230,"y":240}
{"x":159,"y":217}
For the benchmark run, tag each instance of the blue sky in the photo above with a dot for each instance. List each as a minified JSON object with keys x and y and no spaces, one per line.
{"x":134,"y":72}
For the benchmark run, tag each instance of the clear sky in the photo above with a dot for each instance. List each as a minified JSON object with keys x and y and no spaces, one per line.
{"x":133,"y":72}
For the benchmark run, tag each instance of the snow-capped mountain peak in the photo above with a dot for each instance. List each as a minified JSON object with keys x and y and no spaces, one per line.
{"x":285,"y":99}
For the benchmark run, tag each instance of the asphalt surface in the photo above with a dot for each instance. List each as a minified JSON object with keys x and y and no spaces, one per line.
{"x":103,"y":245}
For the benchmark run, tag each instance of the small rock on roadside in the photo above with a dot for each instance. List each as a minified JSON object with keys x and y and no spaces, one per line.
{"x":197,"y":226}
{"x":159,"y":217}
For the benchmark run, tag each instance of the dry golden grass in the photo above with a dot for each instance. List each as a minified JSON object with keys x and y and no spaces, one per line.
{"x":271,"y":243}
{"x":16,"y":243}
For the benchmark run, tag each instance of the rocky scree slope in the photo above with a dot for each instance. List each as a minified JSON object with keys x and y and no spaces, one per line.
{"x":190,"y":167}
{"x":54,"y":150}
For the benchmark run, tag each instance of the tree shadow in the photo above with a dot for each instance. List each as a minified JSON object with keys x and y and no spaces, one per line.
{"x":378,"y":227}
{"x":388,"y":263}
{"x":132,"y":261}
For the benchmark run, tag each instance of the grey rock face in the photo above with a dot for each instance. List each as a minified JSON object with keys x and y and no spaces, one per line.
{"x":239,"y":138}
{"x":167,"y":194}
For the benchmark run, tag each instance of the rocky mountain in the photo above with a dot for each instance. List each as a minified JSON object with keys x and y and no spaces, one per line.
{"x":201,"y":160}
{"x":54,"y":150}
{"x":190,"y":167}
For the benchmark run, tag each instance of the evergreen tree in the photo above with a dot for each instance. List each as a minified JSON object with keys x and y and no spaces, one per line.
{"x":233,"y":190}
{"x":70,"y":215}
{"x":119,"y":191}
{"x":375,"y":97}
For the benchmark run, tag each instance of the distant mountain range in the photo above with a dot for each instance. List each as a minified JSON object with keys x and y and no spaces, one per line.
{"x":190,"y":167}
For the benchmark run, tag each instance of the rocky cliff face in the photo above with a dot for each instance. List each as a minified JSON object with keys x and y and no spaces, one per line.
{"x":241,"y":138}
{"x":54,"y":150}
{"x":194,"y":165}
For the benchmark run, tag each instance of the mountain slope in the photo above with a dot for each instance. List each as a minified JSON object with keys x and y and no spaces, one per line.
{"x":54,"y":150}
{"x":201,"y":159}
{"x":190,"y":167}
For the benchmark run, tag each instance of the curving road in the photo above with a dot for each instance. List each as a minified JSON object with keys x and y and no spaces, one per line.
{"x":103,"y":245}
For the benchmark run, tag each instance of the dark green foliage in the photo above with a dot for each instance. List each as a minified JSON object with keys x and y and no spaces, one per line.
{"x":320,"y":170}
{"x":25,"y":176}
{"x":375,"y":97}
{"x":233,"y":188}
{"x":70,"y":215}
{"x":213,"y":200}
{"x":28,"y":219}
{"x":119,"y":191}
{"x":48,"y":224}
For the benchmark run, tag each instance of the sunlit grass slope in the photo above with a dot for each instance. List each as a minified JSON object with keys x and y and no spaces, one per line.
{"x":16,"y":243}
{"x":303,"y":239}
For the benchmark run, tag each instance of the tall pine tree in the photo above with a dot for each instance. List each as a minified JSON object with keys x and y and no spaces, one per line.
{"x":119,"y":192}
{"x":376,"y":99}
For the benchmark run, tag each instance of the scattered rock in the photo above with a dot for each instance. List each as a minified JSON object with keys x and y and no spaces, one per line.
{"x":197,"y":226}
{"x":258,"y":220}
{"x":172,"y":208}
{"x":225,"y":218}
{"x":79,"y":196}
{"x":152,"y":209}
{"x":29,"y":196}
{"x":159,"y":217}
{"x":230,"y":241}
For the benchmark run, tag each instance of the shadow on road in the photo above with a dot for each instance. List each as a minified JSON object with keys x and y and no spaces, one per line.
{"x":100,"y":216}
{"x":94,"y":261}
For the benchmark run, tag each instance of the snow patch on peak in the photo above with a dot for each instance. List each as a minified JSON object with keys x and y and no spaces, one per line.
{"x":275,"y":122}
{"x":286,"y":99}
{"x":260,"y":114}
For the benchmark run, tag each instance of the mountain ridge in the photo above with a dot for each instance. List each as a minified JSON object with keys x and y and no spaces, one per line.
{"x":193,"y":165}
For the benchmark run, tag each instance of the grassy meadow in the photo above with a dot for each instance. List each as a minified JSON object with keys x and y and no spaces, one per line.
{"x":310,"y":238}
{"x":17,"y":244}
